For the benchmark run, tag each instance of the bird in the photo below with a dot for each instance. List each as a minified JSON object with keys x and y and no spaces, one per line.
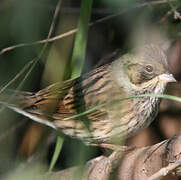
{"x":96,"y":107}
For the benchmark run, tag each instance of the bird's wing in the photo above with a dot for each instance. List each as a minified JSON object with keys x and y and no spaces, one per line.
{"x":37,"y":106}
{"x":74,"y":106}
{"x":62,"y":100}
{"x":84,"y":99}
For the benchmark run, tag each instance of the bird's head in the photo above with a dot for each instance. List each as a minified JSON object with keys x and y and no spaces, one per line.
{"x":149,"y":65}
{"x":143,"y":70}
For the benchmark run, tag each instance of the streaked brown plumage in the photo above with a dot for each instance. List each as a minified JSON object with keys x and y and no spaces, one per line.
{"x":145,"y":71}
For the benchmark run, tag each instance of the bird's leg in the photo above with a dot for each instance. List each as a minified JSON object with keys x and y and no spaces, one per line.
{"x":112,"y":160}
{"x":115,"y":147}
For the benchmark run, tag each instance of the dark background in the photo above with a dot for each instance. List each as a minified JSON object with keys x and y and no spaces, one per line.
{"x":25,"y":144}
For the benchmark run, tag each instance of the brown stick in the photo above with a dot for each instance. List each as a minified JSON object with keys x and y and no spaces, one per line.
{"x":73,"y":31}
{"x":141,"y":163}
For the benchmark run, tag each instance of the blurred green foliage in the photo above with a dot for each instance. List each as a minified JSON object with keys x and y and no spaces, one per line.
{"x":29,"y":21}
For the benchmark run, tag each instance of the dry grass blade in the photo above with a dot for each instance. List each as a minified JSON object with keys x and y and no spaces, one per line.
{"x":73,"y":31}
{"x":165,"y":171}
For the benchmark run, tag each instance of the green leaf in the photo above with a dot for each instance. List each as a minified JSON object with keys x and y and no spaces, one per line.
{"x":164,"y":96}
{"x":79,"y":49}
{"x":78,"y":58}
{"x":56,"y":153}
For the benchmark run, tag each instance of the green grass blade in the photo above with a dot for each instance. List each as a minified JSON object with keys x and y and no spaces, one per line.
{"x":78,"y":58}
{"x":79,"y":49}
{"x":164,"y":96}
{"x":56,"y":153}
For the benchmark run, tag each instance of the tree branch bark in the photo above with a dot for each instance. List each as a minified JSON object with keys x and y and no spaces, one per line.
{"x":138,"y":164}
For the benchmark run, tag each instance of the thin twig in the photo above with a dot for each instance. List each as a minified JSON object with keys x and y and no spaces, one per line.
{"x":57,"y":10}
{"x":174,"y":9}
{"x":165,"y":171}
{"x":34,"y":60}
{"x":73,"y":31}
{"x":17,"y":76}
{"x":164,"y":18}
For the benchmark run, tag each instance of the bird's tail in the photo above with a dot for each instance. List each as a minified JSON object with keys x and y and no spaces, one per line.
{"x":30,"y":105}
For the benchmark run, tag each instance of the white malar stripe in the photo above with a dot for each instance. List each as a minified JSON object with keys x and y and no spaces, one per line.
{"x":33,"y":117}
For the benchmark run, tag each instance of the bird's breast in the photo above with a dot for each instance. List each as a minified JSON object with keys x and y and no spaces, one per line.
{"x":146,"y":110}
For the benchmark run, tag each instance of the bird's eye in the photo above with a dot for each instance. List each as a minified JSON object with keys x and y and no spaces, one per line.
{"x":149,"y":68}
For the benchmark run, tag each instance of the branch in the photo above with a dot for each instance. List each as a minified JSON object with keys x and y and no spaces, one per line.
{"x":166,"y":170}
{"x":141,"y":163}
{"x":73,"y":31}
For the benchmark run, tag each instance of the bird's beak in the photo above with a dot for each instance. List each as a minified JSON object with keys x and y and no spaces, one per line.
{"x":167,"y":78}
